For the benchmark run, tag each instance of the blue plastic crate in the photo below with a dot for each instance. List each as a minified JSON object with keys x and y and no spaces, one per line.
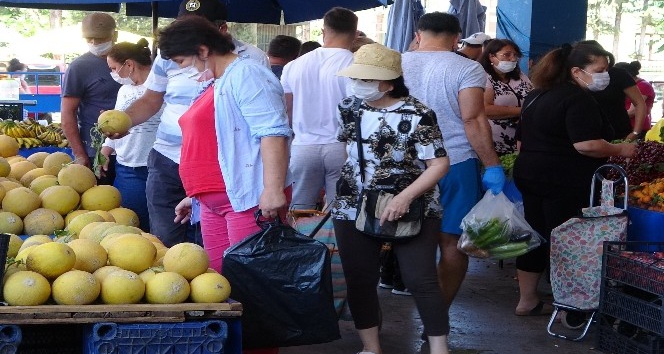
{"x":25,"y":152}
{"x":196,"y":337}
{"x":10,"y":338}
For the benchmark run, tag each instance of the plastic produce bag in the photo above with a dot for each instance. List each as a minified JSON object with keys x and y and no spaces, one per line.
{"x":495,"y":228}
{"x":283,"y":280}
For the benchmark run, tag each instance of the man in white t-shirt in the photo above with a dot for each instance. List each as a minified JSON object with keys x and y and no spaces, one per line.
{"x":168,"y":83}
{"x":453,"y":86}
{"x":313,"y":91}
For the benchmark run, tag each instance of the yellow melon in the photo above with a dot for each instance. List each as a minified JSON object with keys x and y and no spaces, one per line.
{"x":42,"y":221}
{"x":166,"y":288}
{"x":122,"y":287}
{"x":26,"y":288}
{"x":10,"y":223}
{"x":77,"y":224}
{"x":31,"y":175}
{"x":5,"y":168}
{"x":105,"y":214}
{"x":210,"y":288}
{"x":21,"y":201}
{"x":51,"y":259}
{"x":114,"y":122}
{"x":9,"y":185}
{"x":95,"y":230}
{"x":62,"y":199}
{"x":102,"y":197}
{"x":38,"y":158}
{"x":8,"y":146}
{"x":35,"y":240}
{"x":90,"y":256}
{"x":21,"y":168}
{"x":74,"y":213}
{"x":131,"y":252}
{"x":75,"y":287}
{"x":101,"y":273}
{"x":12,"y":268}
{"x":187,"y":259}
{"x":147,"y":274}
{"x":78,"y":177}
{"x":14,"y":159}
{"x":39,"y":184}
{"x":125,"y":216}
{"x":54,"y":162}
{"x":15,"y":243}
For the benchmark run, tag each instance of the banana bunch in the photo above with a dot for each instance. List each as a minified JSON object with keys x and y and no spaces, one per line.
{"x":50,"y":137}
{"x":16,"y":131}
{"x":56,"y":127}
{"x":34,"y":127}
{"x":28,"y":142}
{"x":63,"y":143}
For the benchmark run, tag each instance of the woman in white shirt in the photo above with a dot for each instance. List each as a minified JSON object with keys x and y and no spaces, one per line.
{"x":130,"y":65}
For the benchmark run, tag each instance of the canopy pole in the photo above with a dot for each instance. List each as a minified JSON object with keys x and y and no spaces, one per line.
{"x":155,"y":22}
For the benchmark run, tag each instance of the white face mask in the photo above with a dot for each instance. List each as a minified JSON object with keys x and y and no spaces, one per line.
{"x":192,"y":72}
{"x":506,"y":66}
{"x":367,"y":91}
{"x":100,"y":49}
{"x":600,"y":80}
{"x":122,"y":80}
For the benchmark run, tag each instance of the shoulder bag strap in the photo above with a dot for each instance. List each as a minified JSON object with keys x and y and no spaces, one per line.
{"x":358,"y":136}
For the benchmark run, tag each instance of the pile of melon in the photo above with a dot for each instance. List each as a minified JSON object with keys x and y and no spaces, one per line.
{"x":82,"y":247}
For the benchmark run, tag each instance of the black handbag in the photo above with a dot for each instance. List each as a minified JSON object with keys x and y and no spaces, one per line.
{"x":372,"y":202}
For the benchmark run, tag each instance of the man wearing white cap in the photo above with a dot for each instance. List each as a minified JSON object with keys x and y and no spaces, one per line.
{"x":473,"y":45}
{"x":88,"y":88}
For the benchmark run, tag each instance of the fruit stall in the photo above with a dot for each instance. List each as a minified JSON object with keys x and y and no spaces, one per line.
{"x":80,"y":275}
{"x":632,"y":290}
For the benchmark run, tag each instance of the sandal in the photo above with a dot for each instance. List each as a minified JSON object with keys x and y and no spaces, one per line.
{"x":540,"y":310}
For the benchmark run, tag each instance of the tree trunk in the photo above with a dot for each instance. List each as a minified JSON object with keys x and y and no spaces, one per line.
{"x":55,"y":18}
{"x":645,"y":20}
{"x":616,"y":26}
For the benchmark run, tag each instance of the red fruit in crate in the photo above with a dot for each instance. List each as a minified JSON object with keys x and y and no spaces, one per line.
{"x":658,"y":255}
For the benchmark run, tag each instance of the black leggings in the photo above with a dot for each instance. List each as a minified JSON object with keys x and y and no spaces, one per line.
{"x":547,"y":206}
{"x":417,"y":259}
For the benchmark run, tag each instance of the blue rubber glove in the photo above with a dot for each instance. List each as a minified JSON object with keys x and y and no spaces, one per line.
{"x":494,"y":179}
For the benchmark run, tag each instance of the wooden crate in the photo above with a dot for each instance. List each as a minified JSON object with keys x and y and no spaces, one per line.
{"x":134,"y":313}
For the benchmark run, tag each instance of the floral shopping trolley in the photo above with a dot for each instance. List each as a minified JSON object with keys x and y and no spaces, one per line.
{"x":577,"y":247}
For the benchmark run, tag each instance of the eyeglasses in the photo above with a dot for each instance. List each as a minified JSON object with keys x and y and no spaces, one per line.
{"x":509,"y":55}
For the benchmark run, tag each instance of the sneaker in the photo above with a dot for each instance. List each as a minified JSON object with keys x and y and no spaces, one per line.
{"x":403,"y":291}
{"x":385,"y":284}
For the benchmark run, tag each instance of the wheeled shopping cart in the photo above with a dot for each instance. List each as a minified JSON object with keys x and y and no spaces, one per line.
{"x":577,"y":247}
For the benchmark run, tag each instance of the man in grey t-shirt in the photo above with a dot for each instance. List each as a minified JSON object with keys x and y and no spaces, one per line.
{"x":453,"y":86}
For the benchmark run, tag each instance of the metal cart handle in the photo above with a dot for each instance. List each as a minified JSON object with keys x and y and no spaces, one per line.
{"x":599,"y":175}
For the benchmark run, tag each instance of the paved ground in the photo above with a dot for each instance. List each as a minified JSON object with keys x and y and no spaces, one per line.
{"x":482,"y":321}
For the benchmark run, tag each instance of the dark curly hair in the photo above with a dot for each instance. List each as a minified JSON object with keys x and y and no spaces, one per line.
{"x":187,"y":34}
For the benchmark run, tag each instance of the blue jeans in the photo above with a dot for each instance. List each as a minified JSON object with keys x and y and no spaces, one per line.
{"x":131,"y":183}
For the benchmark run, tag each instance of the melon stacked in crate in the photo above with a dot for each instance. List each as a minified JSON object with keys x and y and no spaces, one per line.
{"x":82,"y":247}
{"x":632,"y":298}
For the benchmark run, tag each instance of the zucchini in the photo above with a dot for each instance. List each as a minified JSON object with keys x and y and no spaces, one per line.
{"x":509,"y":250}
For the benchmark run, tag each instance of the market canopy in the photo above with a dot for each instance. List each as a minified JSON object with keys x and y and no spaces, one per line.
{"x":261,"y":11}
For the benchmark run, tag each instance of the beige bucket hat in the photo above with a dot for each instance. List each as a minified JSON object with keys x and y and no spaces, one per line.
{"x":374,"y":62}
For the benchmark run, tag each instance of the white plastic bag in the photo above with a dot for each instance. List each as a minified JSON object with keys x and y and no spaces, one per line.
{"x":495,"y":228}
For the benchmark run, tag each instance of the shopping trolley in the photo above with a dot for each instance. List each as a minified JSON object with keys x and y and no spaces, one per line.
{"x":577,"y":247}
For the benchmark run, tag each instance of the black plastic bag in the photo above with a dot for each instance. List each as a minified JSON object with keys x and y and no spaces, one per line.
{"x":283,"y":280}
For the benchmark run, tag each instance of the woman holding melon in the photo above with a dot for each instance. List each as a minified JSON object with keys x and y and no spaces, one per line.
{"x":130,"y":65}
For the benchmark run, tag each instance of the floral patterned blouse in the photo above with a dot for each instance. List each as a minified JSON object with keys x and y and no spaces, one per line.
{"x":508,"y":95}
{"x":395,"y":141}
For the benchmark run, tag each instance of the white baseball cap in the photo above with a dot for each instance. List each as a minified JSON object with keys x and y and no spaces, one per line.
{"x":477,"y":38}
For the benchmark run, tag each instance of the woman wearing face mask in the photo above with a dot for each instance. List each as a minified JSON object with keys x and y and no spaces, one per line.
{"x":610,"y":90}
{"x":404,"y":154}
{"x":130,"y":65}
{"x":505,"y":91}
{"x":563,"y":140}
